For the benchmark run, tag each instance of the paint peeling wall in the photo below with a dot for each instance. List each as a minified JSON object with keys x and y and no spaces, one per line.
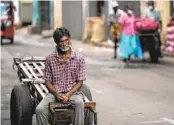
{"x":72,"y":18}
{"x":51,"y":14}
{"x":57,"y":13}
{"x":36,"y":13}
{"x":165,"y":15}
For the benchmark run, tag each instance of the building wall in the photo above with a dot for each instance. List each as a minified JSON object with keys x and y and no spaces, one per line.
{"x":42,"y":16}
{"x":92,"y":8}
{"x":57,"y":13}
{"x":172,"y":8}
{"x":72,"y":18}
{"x":45,"y":15}
{"x":26,"y":1}
{"x":17,"y":18}
{"x":135,"y":5}
{"x":51,"y":14}
{"x":26,"y":11}
{"x":165,"y":15}
{"x":36,"y":13}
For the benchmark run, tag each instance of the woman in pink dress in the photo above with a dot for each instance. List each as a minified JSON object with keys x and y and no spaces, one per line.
{"x":129,"y":42}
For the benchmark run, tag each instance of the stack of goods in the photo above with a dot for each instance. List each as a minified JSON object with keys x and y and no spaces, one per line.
{"x":94,"y":30}
{"x":142,"y":24}
{"x":170,"y":37}
{"x":88,"y":30}
{"x":98,"y":30}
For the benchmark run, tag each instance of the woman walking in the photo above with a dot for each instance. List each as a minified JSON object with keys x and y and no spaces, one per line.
{"x":129,"y":42}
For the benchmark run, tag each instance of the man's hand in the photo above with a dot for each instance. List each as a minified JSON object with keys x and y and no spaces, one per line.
{"x":65,"y":98}
{"x":75,"y":88}
{"x":59,"y":97}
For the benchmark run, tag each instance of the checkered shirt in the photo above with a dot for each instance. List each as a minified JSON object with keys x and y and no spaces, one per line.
{"x":64,"y":76}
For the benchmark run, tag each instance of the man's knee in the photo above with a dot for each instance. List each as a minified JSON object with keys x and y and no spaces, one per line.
{"x":79,"y":103}
{"x":40,"y":109}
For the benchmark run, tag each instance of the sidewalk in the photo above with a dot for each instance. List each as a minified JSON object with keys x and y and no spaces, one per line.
{"x":23,"y":32}
{"x":22,"y":35}
{"x":88,"y":49}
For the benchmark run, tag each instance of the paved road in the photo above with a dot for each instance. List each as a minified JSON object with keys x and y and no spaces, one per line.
{"x":142,"y":94}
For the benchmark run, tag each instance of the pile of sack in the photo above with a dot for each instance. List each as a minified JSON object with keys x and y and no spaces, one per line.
{"x":145,"y":24}
{"x":170,"y":37}
{"x":94,"y":30}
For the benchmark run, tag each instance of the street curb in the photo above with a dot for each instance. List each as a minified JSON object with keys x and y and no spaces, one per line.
{"x":168,"y":54}
{"x":99,"y":44}
{"x":47,"y":33}
{"x":33,"y":40}
{"x":107,"y":45}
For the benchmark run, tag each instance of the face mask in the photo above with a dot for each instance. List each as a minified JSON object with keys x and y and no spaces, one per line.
{"x":66,"y":48}
{"x":63,"y":49}
{"x":130,"y":12}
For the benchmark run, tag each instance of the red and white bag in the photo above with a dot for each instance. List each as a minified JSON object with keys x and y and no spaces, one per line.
{"x":145,"y":24}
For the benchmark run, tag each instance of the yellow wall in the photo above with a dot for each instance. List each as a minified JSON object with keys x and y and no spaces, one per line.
{"x":164,"y":7}
{"x":57,"y":13}
{"x":143,"y":7}
{"x":26,"y":1}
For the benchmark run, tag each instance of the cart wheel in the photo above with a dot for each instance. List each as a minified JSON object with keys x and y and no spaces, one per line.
{"x":21,"y":106}
{"x":89,"y":115}
{"x":12,"y":40}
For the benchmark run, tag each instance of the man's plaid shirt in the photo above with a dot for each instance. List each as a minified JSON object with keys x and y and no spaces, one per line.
{"x":64,"y":75}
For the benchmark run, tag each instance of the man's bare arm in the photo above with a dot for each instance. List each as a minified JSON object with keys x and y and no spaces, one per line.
{"x":75,"y":88}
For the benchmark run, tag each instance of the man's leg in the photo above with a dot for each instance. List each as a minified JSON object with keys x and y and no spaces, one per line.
{"x":42,"y":110}
{"x":159,"y":38}
{"x":79,"y":108}
{"x":115,"y":48}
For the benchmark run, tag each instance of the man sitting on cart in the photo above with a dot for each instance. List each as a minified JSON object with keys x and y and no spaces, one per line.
{"x":64,"y":75}
{"x":153,"y":13}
